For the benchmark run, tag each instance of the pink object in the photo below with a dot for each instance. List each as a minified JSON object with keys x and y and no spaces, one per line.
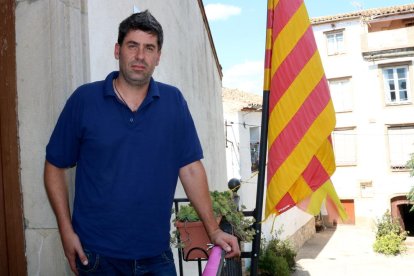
{"x":213,"y":262}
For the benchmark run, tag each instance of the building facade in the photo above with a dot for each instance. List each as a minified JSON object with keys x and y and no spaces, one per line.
{"x":368,"y":60}
{"x":50,"y":47}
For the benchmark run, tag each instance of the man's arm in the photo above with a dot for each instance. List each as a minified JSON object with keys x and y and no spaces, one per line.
{"x":194,"y":180}
{"x":56,"y":189}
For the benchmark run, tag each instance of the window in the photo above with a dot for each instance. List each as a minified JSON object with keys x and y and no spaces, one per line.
{"x":396,"y":84}
{"x":344,"y":143}
{"x":335,"y":42}
{"x":254,"y":147}
{"x":341,"y":93}
{"x":401,"y":145}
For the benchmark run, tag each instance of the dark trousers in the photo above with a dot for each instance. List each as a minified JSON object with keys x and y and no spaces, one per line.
{"x":161,"y":265}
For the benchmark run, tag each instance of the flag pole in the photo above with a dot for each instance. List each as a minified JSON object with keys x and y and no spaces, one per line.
{"x":257,"y":226}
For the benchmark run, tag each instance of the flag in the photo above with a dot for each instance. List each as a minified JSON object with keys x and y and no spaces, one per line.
{"x":301,"y":114}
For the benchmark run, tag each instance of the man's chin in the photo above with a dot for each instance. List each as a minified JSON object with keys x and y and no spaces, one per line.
{"x":140,"y":81}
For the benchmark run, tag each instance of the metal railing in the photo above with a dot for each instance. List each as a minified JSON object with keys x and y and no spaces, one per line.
{"x":229,"y":267}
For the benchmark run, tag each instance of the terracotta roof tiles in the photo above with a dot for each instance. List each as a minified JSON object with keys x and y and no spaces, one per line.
{"x":369,"y":13}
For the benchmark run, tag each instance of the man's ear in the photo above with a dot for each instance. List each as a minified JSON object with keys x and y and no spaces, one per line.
{"x":159,"y":57}
{"x":116,"y":50}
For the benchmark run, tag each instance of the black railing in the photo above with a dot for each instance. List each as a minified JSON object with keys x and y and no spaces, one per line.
{"x":228,"y":267}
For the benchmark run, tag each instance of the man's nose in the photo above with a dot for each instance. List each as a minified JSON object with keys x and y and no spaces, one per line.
{"x":139,"y":54}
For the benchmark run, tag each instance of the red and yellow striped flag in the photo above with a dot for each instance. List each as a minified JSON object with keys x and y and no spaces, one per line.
{"x":301,"y":114}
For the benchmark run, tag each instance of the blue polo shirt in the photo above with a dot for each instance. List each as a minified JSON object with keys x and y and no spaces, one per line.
{"x":127,"y":165}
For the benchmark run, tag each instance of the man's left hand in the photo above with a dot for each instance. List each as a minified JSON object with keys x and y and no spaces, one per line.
{"x":226,"y":241}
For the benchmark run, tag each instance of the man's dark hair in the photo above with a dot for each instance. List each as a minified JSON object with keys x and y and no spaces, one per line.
{"x":143,"y":21}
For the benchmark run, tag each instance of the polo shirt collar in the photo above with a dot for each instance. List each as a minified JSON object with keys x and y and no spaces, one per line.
{"x":153,"y":91}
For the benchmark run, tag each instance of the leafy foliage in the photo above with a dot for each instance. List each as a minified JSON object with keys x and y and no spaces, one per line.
{"x":389,"y":237}
{"x":187,"y":213}
{"x":410,"y":165}
{"x":271,"y":264}
{"x":410,"y":197}
{"x":387,"y":225}
{"x":277,"y":257}
{"x":225,"y":207}
{"x":390,"y":244}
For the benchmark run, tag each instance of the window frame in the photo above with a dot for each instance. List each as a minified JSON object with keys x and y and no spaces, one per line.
{"x":385,"y":87}
{"x":254,"y":148}
{"x":398,"y":167}
{"x":336,"y":50}
{"x":344,"y":107}
{"x":338,"y":161}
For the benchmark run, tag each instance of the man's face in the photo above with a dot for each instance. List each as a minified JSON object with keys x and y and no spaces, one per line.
{"x":138,"y":55}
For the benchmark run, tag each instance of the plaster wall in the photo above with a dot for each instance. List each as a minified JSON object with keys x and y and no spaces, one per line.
{"x":62,"y":44}
{"x":379,"y":40}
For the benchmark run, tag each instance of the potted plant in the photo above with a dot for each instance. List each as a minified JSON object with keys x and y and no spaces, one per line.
{"x":191,"y":234}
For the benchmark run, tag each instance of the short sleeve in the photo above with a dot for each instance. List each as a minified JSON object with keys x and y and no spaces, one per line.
{"x":191,"y":147}
{"x":63,"y":148}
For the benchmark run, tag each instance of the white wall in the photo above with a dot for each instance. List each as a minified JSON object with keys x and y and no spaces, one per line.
{"x":62,"y":44}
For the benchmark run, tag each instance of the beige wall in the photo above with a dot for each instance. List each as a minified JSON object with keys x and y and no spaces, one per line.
{"x":62,"y":44}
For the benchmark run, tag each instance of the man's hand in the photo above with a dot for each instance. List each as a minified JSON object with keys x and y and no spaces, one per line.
{"x":56,"y":189}
{"x":72,"y":248}
{"x":194,"y":180}
{"x":226,"y":241}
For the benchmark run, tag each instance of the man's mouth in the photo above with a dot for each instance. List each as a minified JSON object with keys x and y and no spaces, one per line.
{"x":138,"y":66}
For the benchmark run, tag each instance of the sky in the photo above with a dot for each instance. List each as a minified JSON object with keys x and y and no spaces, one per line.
{"x":238,"y":28}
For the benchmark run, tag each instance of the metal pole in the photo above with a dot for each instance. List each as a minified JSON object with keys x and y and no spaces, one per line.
{"x":257,"y":226}
{"x":180,"y":254}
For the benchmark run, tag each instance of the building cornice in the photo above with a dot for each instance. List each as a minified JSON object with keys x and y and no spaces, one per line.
{"x":210,"y":37}
{"x":364,"y":14}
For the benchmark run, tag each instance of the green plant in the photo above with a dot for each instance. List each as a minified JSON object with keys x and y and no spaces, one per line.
{"x":410,"y":197}
{"x":285,"y":250}
{"x":389,"y":237}
{"x":410,"y":165}
{"x":387,"y":225}
{"x":389,"y":244}
{"x":225,"y":207}
{"x":187,"y":213}
{"x":271,"y":264}
{"x":277,"y":257}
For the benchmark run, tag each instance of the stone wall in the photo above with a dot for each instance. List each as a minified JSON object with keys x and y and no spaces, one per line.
{"x":51,"y":63}
{"x":302,"y":234}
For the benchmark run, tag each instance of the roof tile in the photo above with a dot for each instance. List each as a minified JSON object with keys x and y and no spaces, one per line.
{"x":369,"y":13}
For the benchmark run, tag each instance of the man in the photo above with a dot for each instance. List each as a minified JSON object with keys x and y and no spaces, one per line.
{"x":130,"y":138}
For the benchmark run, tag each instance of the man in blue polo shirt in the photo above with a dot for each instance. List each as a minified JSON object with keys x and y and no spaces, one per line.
{"x":130,"y":138}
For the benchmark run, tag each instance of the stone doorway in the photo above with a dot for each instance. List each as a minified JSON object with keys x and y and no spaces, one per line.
{"x":400,"y":210}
